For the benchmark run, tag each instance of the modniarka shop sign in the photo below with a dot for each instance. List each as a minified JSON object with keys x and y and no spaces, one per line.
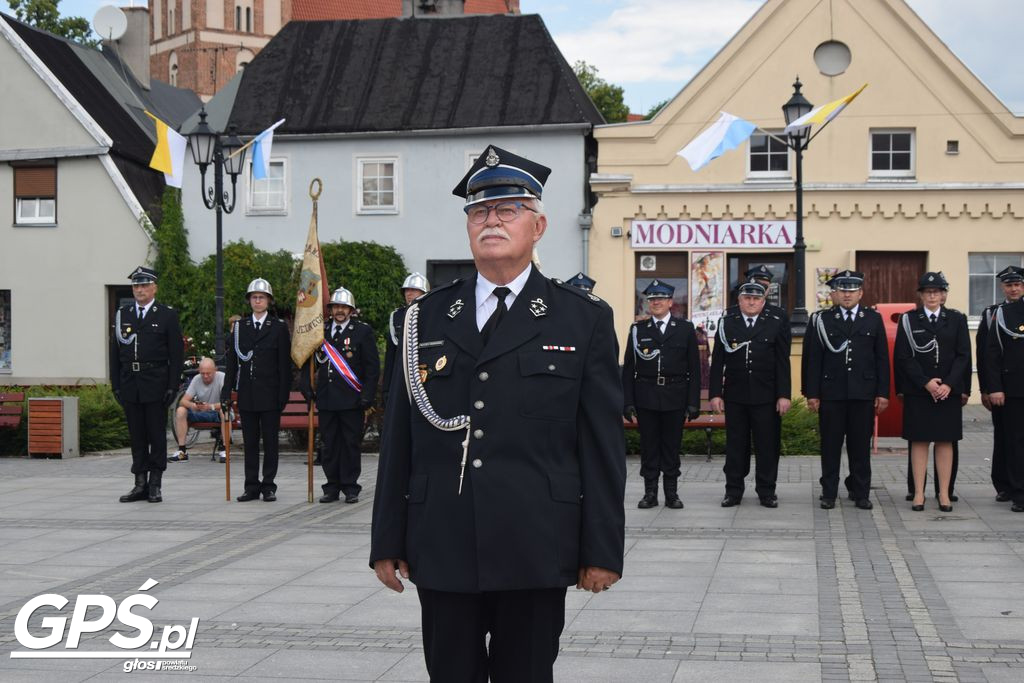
{"x":719,"y":235}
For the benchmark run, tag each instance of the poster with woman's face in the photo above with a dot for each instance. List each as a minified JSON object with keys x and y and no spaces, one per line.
{"x":707,"y":288}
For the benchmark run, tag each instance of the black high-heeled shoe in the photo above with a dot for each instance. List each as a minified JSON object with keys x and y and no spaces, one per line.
{"x":917,"y":508}
{"x":945,"y":508}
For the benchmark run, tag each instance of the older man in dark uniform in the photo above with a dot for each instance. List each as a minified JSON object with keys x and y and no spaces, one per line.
{"x":501,"y":474}
{"x":1011,"y":279}
{"x":146,"y":356}
{"x":750,"y":382}
{"x":346,"y":383}
{"x":259,"y":368}
{"x":414,"y":286}
{"x":661,"y":388}
{"x":1004,"y":380}
{"x":846,"y":381}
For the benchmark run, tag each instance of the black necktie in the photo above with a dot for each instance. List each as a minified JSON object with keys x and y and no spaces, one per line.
{"x":661,"y":327}
{"x":257,"y":325}
{"x":142,"y":312}
{"x":933,"y":318}
{"x":337,"y":334}
{"x":750,"y":322}
{"x":499,"y":313}
{"x":849,"y":316}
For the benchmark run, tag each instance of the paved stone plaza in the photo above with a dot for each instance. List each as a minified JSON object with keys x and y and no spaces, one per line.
{"x":283,"y":590}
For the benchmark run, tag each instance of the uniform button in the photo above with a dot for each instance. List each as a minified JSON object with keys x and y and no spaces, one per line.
{"x":483,"y":376}
{"x":551,"y":367}
{"x":478,"y":463}
{"x":478,"y":434}
{"x":479,"y":405}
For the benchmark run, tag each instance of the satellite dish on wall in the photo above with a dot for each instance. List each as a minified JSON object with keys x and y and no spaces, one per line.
{"x":110,"y":23}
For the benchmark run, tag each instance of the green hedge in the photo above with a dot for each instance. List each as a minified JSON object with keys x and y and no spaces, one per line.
{"x":799,"y":435}
{"x":101,"y":422}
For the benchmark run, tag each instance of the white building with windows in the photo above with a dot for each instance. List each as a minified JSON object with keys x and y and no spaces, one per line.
{"x":389,"y":114}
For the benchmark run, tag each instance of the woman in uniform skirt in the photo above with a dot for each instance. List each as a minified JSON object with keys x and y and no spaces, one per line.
{"x":931,"y":357}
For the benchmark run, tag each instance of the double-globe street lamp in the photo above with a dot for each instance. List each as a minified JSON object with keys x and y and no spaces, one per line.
{"x":208,"y":147}
{"x":798,"y":140}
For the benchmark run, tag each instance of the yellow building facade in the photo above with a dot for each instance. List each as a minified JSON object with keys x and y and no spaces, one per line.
{"x":924,"y":170}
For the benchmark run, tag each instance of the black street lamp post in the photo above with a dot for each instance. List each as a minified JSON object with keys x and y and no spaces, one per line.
{"x":797,"y":140}
{"x":209,"y":147}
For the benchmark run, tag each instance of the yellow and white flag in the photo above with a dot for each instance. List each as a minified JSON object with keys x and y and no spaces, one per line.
{"x":819,"y":116}
{"x":308,"y":334}
{"x":169,"y":155}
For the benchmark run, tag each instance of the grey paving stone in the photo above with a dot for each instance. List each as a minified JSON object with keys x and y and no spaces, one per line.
{"x":299,"y":664}
{"x":730,"y":672}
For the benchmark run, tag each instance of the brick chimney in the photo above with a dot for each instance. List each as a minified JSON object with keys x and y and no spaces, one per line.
{"x":133,"y":47}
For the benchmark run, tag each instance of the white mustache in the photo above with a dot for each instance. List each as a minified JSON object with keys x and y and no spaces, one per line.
{"x":493,"y":232}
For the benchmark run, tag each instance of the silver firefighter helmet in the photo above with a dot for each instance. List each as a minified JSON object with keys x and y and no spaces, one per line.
{"x":416,"y":281}
{"x":343,"y":297}
{"x":259,"y":286}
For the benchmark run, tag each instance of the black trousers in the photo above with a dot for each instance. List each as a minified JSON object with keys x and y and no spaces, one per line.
{"x":1000,"y":478}
{"x":257,"y":425}
{"x":1013,"y":446}
{"x":746,"y":424}
{"x":524,"y":627}
{"x":852,"y":421}
{"x":342,"y":432}
{"x":147,"y":431}
{"x":935,"y":471}
{"x":660,"y":434}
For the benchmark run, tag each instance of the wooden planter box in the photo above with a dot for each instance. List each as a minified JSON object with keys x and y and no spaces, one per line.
{"x":53,"y":426}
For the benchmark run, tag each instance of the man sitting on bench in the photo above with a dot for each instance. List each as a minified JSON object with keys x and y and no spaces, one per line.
{"x":200,"y":403}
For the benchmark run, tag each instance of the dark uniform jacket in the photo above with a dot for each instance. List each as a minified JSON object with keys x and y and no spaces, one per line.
{"x":914,"y":370}
{"x":677,"y":364}
{"x":1004,"y":354}
{"x":358,"y":346}
{"x":150,"y":365}
{"x":392,"y":341}
{"x":861,"y":371}
{"x":758,"y":373}
{"x":545,"y":472}
{"x":771,"y":309}
{"x":264,"y":381}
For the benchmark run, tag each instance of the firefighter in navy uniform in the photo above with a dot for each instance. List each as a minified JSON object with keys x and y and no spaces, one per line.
{"x":259,"y":368}
{"x":342,"y":401}
{"x":846,"y":381}
{"x":582,"y":281}
{"x":1004,"y":380}
{"x":1011,"y":279}
{"x":750,"y":381}
{"x":661,"y":388}
{"x":414,"y":286}
{"x":763,"y":276}
{"x":147,"y":353}
{"x":501,"y":474}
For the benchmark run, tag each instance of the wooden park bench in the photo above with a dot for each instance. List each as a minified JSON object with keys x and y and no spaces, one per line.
{"x":293,"y":418}
{"x":707,"y":420}
{"x":11,"y":409}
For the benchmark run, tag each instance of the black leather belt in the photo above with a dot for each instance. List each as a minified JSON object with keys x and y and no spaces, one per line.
{"x":662,"y":381}
{"x":139,"y":366}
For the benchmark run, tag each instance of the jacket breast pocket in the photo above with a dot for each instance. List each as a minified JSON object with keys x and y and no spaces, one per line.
{"x":436,"y":363}
{"x":549,"y":386}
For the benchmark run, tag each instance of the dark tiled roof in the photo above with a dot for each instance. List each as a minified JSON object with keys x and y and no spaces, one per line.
{"x":319,"y":10}
{"x":410,"y":74}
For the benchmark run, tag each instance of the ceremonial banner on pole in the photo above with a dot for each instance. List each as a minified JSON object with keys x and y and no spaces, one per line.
{"x":313,"y":294}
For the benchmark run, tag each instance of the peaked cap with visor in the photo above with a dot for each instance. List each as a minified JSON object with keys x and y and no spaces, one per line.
{"x":500,"y":174}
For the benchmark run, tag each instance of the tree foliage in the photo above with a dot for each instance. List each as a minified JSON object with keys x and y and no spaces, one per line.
{"x":608,"y":98}
{"x":372,"y":272}
{"x":653,"y":111}
{"x":45,"y":15}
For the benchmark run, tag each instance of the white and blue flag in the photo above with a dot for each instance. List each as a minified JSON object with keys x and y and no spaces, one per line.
{"x":728,"y":132}
{"x":261,"y":152}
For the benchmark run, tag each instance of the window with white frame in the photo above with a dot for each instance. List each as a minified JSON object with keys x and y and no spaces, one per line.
{"x":768,"y":157}
{"x":377,"y":184}
{"x":269,"y":195}
{"x":984,"y":288}
{"x":892,"y":153}
{"x":35,"y":195}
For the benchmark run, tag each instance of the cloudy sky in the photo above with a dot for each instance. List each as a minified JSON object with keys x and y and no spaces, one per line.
{"x":653,"y":47}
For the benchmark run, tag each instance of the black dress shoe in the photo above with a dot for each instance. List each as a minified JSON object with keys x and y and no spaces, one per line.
{"x":909,"y":497}
{"x":351,"y":497}
{"x":864,"y":504}
{"x":945,"y":508}
{"x":1017,"y":507}
{"x":329,"y":498}
{"x":247,"y":496}
{"x":770,"y":502}
{"x":674,"y":503}
{"x":730,"y":501}
{"x":648,"y":501}
{"x":917,"y":508}
{"x":828,"y":503}
{"x":1002,"y":497}
{"x":269,"y":496}
{"x":953,"y":498}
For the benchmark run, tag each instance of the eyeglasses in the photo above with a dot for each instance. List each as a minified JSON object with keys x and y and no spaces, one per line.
{"x":506,"y":212}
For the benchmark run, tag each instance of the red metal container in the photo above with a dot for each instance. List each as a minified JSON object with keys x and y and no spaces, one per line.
{"x":890,"y":423}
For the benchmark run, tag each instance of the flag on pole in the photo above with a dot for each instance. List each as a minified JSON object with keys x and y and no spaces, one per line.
{"x":308,"y":334}
{"x":261,"y":152}
{"x":169,"y":155}
{"x":819,"y":116}
{"x":728,"y":132}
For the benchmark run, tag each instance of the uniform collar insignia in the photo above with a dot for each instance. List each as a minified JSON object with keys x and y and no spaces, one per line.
{"x":455,"y":308}
{"x":538,"y":307}
{"x":593,"y":297}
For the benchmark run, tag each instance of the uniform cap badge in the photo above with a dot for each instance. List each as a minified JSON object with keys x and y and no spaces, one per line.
{"x":538,"y":307}
{"x":441,"y":362}
{"x":492,"y":157}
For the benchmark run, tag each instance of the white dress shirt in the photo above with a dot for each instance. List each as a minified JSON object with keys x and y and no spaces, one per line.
{"x":486,"y":302}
